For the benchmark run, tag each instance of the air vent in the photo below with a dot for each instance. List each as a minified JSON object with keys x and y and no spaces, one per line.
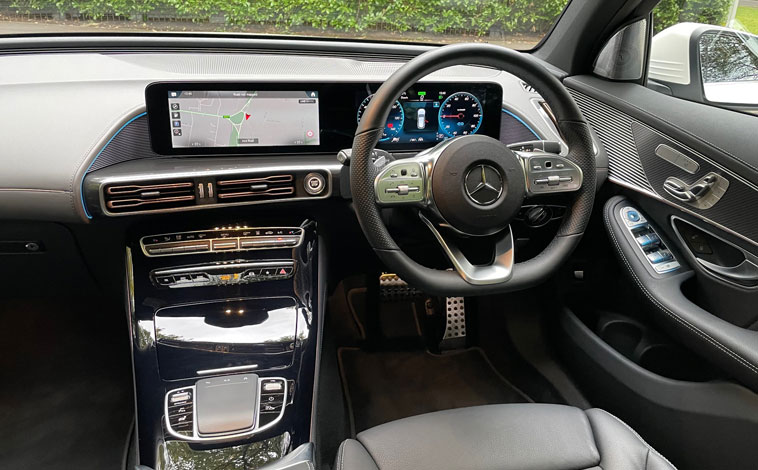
{"x":260,"y":188}
{"x":136,"y":197}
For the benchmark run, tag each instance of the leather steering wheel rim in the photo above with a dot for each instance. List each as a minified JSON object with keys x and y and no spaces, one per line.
{"x":571,"y":124}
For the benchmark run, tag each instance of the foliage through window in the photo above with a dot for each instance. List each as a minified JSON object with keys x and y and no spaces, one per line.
{"x":516,"y":23}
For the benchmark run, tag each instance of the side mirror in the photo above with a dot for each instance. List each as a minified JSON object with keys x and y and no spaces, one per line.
{"x":708,"y":64}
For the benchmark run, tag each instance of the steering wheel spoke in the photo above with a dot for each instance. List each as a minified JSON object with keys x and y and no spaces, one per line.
{"x":498,"y":271}
{"x":548,"y":173}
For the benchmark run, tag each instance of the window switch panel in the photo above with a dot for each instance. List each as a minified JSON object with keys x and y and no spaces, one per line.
{"x":660,"y":258}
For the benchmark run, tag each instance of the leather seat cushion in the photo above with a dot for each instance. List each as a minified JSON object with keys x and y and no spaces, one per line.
{"x":502,"y":437}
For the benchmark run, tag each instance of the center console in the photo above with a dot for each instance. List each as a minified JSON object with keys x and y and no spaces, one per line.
{"x":225,"y":326}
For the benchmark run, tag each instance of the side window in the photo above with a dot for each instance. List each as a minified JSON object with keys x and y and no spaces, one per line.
{"x":706,"y":51}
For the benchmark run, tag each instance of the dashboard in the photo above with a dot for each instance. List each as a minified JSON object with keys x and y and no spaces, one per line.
{"x":238,"y":118}
{"x":103,"y":126}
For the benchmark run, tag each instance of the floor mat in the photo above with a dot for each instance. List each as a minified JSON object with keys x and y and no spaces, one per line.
{"x":384,"y":386}
{"x":66,"y":399}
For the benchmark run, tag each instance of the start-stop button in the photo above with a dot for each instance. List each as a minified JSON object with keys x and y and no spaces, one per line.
{"x":314,"y":184}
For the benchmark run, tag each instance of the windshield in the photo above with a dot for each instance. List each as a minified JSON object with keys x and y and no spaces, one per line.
{"x":519,"y":24}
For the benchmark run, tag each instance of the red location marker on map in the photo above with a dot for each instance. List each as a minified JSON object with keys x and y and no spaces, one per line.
{"x":247,"y":116}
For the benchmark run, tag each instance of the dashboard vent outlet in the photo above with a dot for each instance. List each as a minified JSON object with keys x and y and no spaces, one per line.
{"x":264,"y":187}
{"x":134,"y":197}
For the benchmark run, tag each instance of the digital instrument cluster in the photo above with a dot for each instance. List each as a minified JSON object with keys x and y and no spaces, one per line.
{"x":206,"y":118}
{"x":420,"y":116}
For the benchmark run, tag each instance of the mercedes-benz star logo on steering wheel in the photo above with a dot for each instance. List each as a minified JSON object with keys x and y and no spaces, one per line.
{"x":484,"y":184}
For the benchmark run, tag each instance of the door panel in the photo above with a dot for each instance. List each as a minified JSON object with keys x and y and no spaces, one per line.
{"x":693,"y":170}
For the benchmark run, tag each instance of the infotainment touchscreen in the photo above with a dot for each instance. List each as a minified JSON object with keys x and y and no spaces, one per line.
{"x":242,"y":118}
{"x":297,"y":118}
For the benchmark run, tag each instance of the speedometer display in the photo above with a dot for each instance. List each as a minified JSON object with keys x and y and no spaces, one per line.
{"x":460,"y":114}
{"x":395,"y":120}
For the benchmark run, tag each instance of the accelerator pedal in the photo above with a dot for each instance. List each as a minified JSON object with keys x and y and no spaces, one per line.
{"x":455,"y":324}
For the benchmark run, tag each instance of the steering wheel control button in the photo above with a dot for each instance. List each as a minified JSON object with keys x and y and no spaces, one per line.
{"x":314,"y":183}
{"x":548,"y":173}
{"x":400,"y":182}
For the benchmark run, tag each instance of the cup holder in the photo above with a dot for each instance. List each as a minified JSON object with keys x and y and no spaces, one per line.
{"x":622,"y":335}
{"x":651,"y":350}
{"x":674,"y":362}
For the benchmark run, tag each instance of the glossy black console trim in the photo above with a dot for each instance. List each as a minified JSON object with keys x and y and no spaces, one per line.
{"x":151,"y":388}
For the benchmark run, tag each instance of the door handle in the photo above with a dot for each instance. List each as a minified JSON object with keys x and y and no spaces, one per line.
{"x":745,"y":272}
{"x":703,"y":193}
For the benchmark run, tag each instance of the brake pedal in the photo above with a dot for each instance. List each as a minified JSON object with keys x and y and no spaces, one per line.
{"x":455,"y":323}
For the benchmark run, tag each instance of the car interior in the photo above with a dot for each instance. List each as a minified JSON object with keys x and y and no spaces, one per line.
{"x":242,"y":251}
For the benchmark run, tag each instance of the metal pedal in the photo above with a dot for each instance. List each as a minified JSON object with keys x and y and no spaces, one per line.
{"x":455,"y":323}
{"x":392,"y":288}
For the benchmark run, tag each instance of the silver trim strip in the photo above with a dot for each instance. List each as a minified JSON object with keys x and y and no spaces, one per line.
{"x":210,"y":240}
{"x":196,"y":437}
{"x":205,"y":173}
{"x":224,"y":370}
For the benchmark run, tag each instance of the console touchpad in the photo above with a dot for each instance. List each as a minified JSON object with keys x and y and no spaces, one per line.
{"x":226,"y":404}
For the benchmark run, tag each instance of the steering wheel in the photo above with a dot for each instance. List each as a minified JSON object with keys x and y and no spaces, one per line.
{"x":472,"y":185}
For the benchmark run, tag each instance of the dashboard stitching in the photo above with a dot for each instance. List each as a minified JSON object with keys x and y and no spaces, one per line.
{"x":742,"y":361}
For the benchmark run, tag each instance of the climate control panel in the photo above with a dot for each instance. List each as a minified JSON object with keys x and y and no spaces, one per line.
{"x":221,"y":239}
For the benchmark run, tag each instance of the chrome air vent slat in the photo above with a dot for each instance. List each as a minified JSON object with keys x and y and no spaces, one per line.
{"x":262,"y":187}
{"x":138,"y":196}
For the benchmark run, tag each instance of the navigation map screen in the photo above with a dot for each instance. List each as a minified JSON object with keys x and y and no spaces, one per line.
{"x":243,"y":118}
